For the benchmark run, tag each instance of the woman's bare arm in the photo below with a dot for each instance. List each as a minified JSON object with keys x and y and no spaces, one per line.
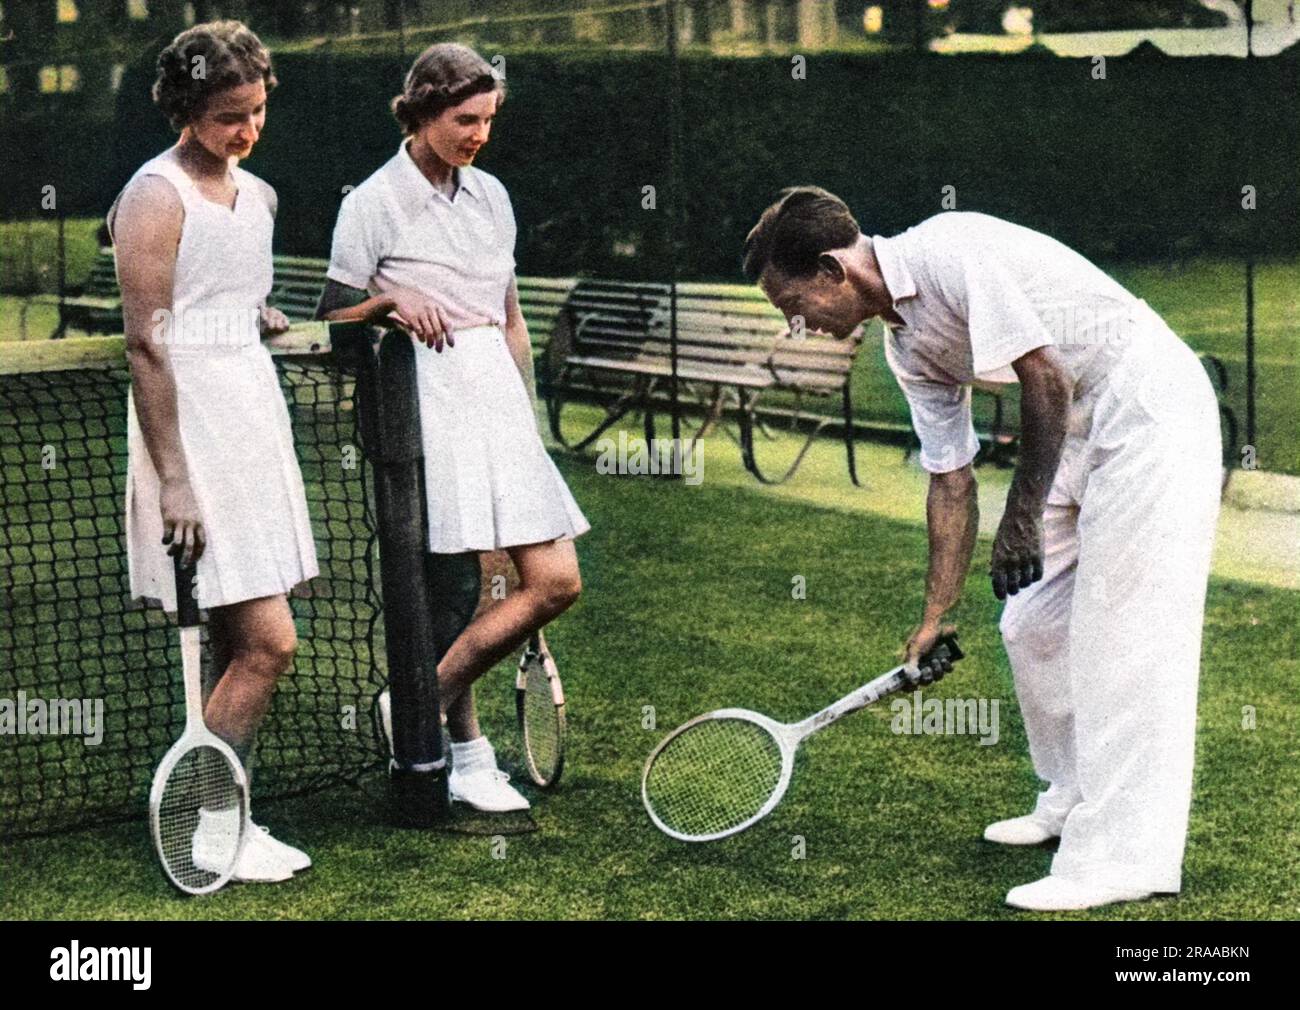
{"x":521,"y":349}
{"x":147,"y":226}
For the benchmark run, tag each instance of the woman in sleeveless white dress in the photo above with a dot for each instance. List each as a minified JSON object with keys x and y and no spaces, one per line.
{"x":430,"y":239}
{"x":211,"y":468}
{"x":232,"y":418}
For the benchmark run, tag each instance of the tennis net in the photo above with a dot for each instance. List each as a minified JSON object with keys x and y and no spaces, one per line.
{"x":71,"y":639}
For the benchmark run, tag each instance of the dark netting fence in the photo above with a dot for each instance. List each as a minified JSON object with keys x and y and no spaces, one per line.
{"x":72,"y":641}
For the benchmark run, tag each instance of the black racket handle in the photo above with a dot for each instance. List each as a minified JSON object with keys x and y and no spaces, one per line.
{"x":187,"y":607}
{"x":945,"y":648}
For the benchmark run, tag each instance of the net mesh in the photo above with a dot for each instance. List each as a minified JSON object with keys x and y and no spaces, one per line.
{"x":72,"y":641}
{"x":713,"y":776}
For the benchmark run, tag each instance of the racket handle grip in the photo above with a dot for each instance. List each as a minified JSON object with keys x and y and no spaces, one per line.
{"x":187,"y":607}
{"x":945,"y":648}
{"x":948,"y":642}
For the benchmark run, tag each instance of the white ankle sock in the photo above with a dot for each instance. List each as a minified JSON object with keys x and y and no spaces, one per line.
{"x":473,"y":755}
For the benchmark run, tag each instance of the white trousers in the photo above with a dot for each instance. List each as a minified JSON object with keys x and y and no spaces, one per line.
{"x":1105,"y":649}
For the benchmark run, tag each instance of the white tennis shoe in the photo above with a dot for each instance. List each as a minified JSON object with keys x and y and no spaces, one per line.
{"x":1026,"y":830}
{"x":295,"y":859}
{"x":1060,"y":894}
{"x":215,"y":835}
{"x":487,"y":789}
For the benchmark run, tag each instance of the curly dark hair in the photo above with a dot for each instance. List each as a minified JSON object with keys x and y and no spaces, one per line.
{"x":443,"y":76}
{"x":792,"y":233}
{"x":229,"y":54}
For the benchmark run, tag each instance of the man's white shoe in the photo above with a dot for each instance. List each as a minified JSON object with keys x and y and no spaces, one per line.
{"x":293,"y":858}
{"x":1058,"y":894}
{"x":212,"y":842}
{"x":486,"y":789}
{"x":1026,"y":830}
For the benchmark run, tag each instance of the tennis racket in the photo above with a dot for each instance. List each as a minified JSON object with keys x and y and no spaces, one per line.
{"x":539,"y":703}
{"x":198,"y":805}
{"x":724,"y":771}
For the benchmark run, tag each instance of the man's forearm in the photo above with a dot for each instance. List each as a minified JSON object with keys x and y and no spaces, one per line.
{"x":1044,"y":419}
{"x":952,"y":519}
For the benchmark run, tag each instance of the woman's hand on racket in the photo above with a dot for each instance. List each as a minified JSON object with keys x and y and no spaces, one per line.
{"x":921,"y":641}
{"x":423,"y":317}
{"x":271,"y":321}
{"x":182,"y":524}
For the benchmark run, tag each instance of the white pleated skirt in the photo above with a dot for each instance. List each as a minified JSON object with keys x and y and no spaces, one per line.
{"x":238,"y":444}
{"x":489,"y":480}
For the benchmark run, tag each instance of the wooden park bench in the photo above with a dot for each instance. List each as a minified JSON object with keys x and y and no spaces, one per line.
{"x":96,"y":307}
{"x":611,"y":342}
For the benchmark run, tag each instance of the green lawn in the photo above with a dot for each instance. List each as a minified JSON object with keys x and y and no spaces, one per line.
{"x":687,"y":606}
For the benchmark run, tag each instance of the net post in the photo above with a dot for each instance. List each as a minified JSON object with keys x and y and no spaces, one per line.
{"x":388,"y":409}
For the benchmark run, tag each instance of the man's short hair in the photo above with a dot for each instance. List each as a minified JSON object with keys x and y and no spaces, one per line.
{"x":792,"y":233}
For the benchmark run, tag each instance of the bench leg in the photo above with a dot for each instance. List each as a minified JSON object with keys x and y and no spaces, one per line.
{"x":997,"y":429}
{"x":747,"y":440}
{"x":849,"y":444}
{"x":648,"y":418}
{"x":712,"y":415}
{"x":1000,"y":440}
{"x":748,"y":416}
{"x":613,"y":413}
{"x":61,"y":330}
{"x":1229,"y":424}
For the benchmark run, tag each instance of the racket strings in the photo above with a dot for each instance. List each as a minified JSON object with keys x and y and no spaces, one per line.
{"x":714,"y":777}
{"x":542,"y":740}
{"x":200,"y":849}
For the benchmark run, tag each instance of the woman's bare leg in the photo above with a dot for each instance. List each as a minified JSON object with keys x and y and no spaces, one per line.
{"x":549,"y":583}
{"x":256,"y":640}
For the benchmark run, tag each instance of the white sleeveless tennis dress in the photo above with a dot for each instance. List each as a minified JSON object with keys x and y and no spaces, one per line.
{"x":489,"y":479}
{"x":234,"y":425}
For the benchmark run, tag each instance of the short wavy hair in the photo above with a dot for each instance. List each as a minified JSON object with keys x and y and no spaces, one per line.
{"x":232,"y":55}
{"x":443,"y":76}
{"x":793,"y":233}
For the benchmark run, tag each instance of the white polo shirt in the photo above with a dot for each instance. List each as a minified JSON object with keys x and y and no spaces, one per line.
{"x":976,"y":293}
{"x":397,"y":230}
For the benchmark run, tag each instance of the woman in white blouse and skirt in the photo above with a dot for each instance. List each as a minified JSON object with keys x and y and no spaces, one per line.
{"x":429,"y":240}
{"x":212,"y":473}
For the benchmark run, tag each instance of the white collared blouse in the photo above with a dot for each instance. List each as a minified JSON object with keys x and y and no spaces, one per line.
{"x":397,"y":230}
